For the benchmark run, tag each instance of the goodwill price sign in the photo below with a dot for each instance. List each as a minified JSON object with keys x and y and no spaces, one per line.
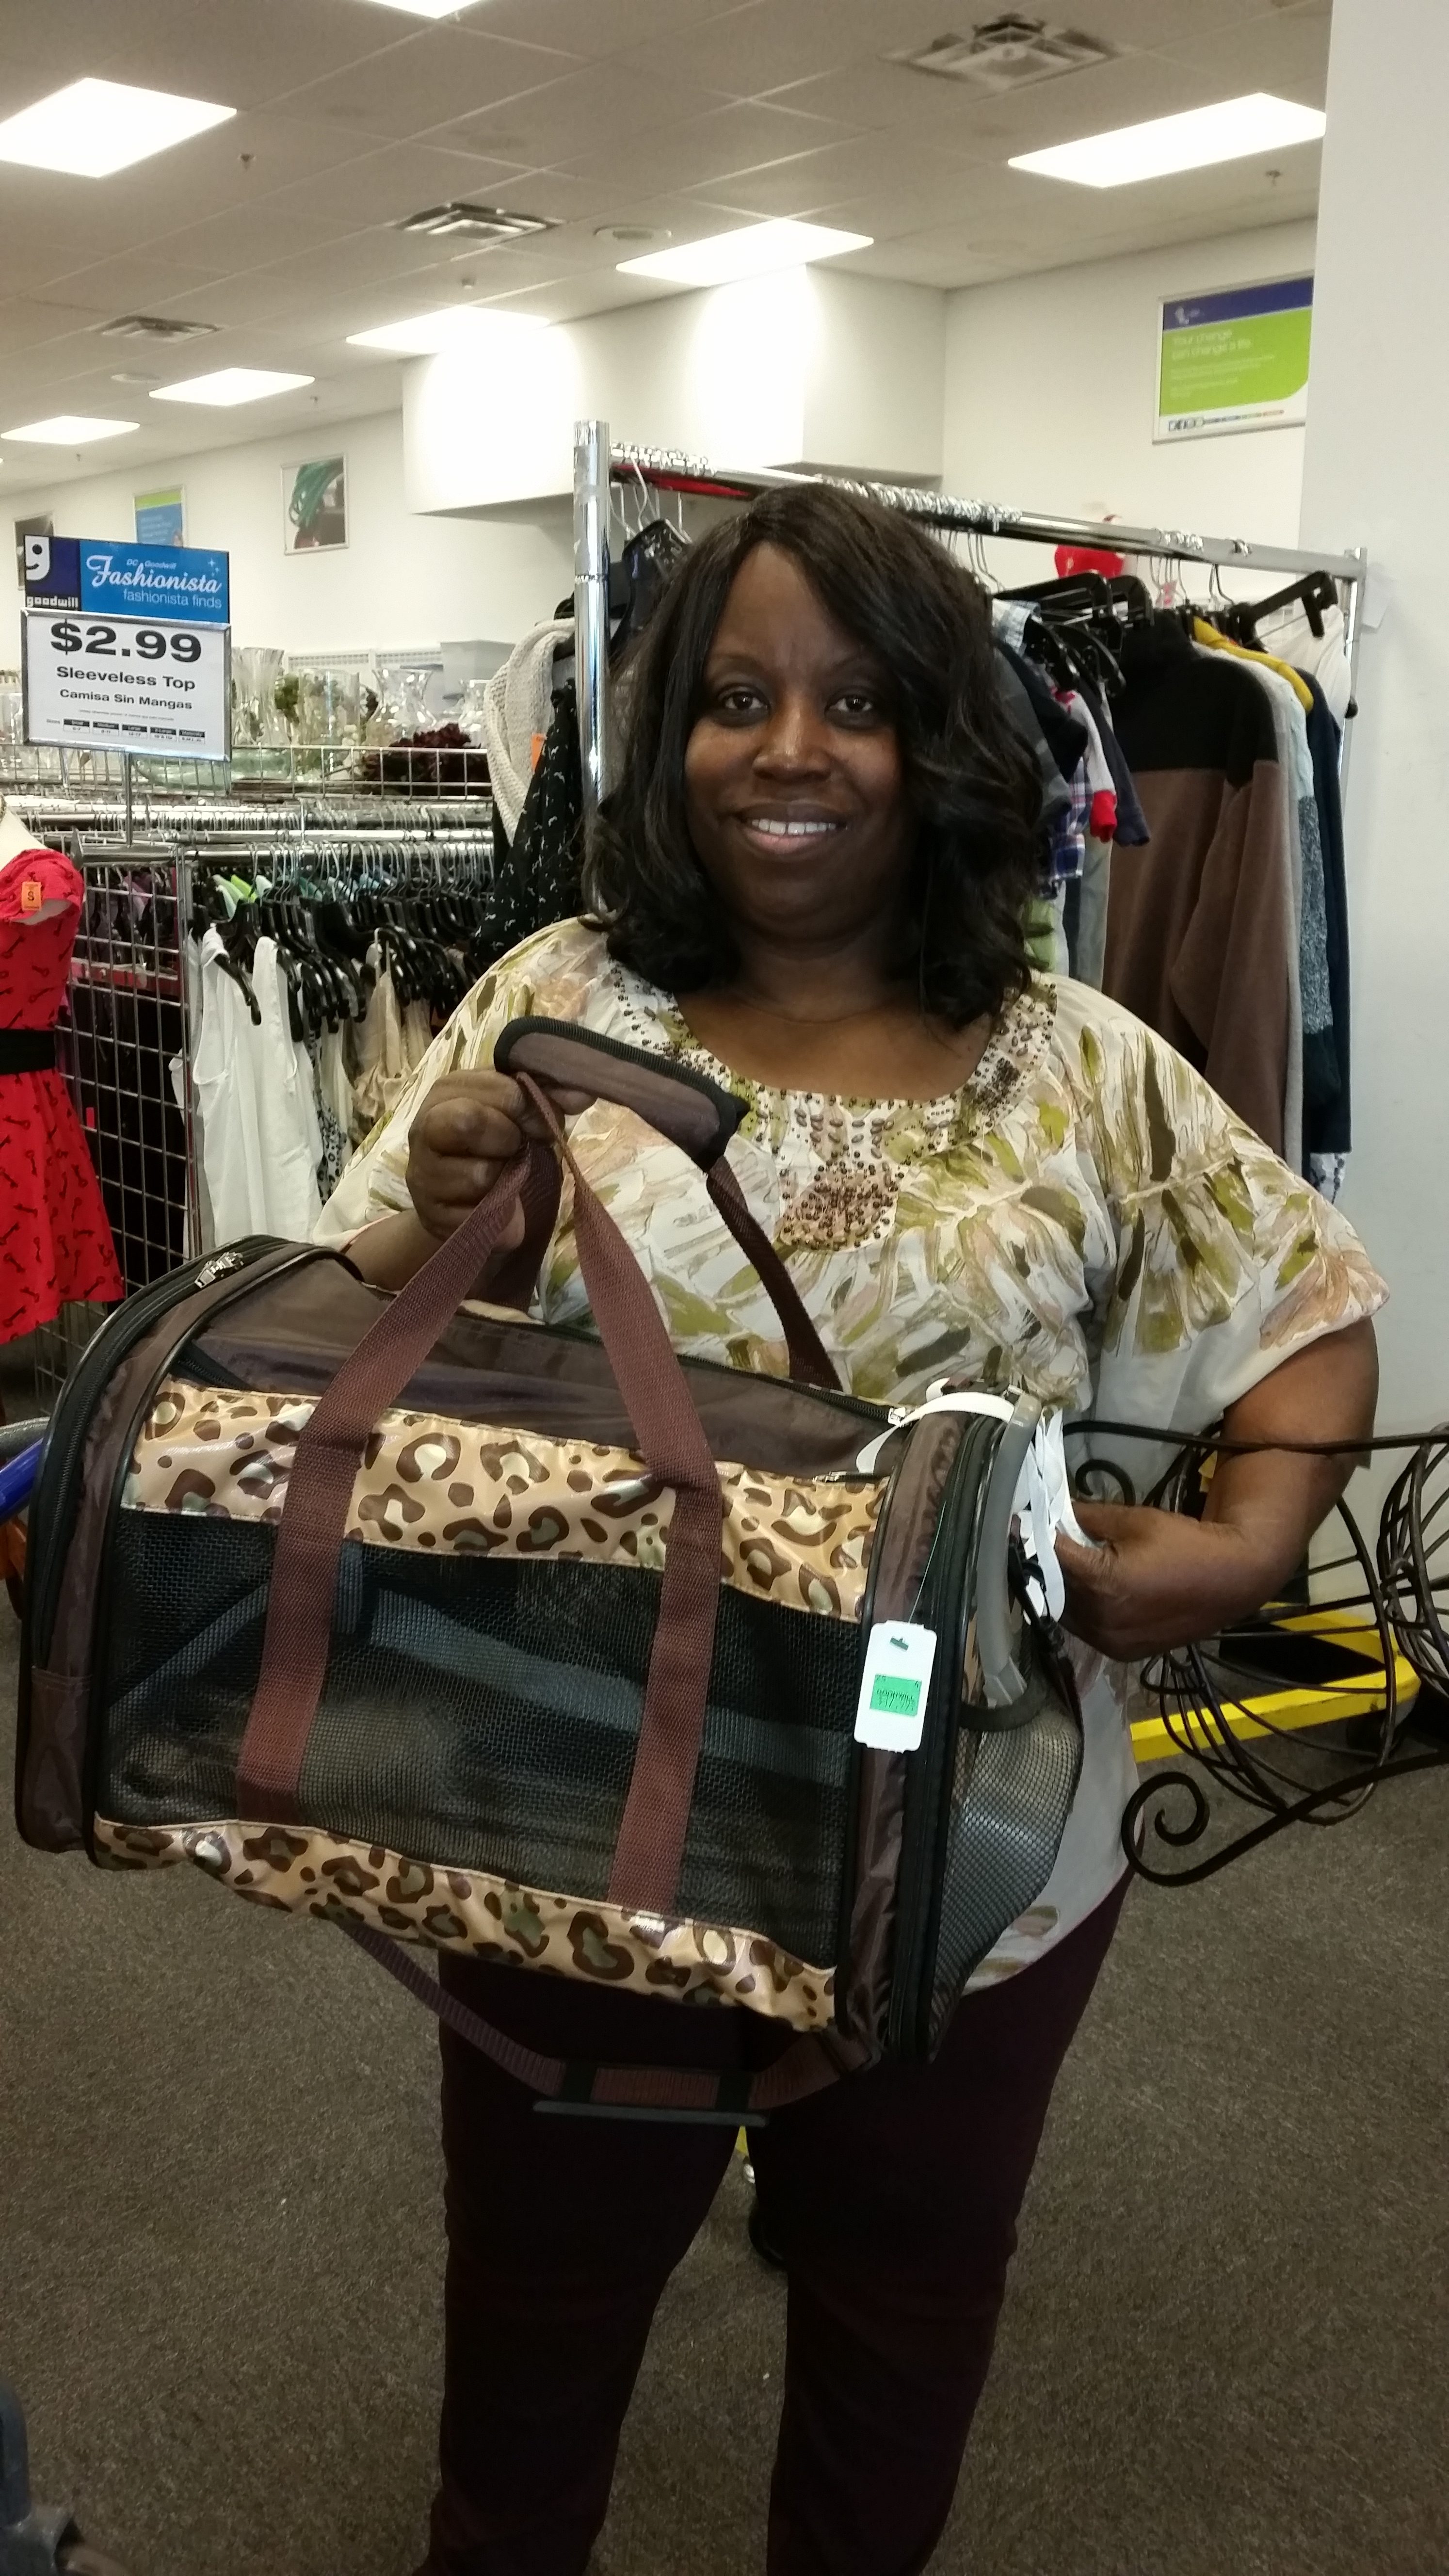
{"x":1235,"y":360}
{"x":127,"y":648}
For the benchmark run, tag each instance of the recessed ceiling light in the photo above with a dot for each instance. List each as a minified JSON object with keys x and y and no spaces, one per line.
{"x":428,"y":8}
{"x":226,"y":385}
{"x":97,"y":126}
{"x":751,"y":251}
{"x":69,"y":429}
{"x":426,"y":333}
{"x":1231,"y":131}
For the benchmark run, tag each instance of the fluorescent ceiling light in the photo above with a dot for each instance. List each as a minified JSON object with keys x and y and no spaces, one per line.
{"x":751,"y":251}
{"x":97,"y":126}
{"x":69,"y":429}
{"x":227,"y":385}
{"x":454,"y":325}
{"x":428,"y":8}
{"x":1231,"y":131}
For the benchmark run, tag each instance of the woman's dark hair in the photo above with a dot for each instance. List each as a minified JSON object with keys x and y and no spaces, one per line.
{"x":972,"y":784}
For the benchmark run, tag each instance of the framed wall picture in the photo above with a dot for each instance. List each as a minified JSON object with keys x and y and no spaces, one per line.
{"x":314,"y":506}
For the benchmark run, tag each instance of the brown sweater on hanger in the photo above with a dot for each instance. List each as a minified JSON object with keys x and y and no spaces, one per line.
{"x":1196,"y":922}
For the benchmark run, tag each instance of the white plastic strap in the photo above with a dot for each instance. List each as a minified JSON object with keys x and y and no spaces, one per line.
{"x":1043,"y":1503}
{"x":997,"y":1405}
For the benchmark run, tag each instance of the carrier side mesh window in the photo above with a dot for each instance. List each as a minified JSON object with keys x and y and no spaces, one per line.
{"x":485,"y":1713}
{"x":1009,"y":1798}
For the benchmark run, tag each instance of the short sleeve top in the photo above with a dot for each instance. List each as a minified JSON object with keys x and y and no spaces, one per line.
{"x":1083,"y":1218}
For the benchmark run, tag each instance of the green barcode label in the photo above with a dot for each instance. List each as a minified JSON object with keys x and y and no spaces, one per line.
{"x":896,"y":1697}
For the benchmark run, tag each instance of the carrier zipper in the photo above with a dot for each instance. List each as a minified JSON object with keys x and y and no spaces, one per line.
{"x":53,"y":1505}
{"x":917,"y":1887}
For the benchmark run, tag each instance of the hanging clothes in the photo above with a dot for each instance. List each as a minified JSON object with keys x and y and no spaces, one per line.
{"x":1328,"y":1122}
{"x":517,"y":713}
{"x":540,"y":880}
{"x":261,"y":1141}
{"x":1198,"y":922}
{"x":55,"y":1240}
{"x":382,"y":1066}
{"x":1314,"y":645}
{"x":1216,"y":642}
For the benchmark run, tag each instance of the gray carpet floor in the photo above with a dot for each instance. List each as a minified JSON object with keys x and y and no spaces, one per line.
{"x":1224,"y":2347}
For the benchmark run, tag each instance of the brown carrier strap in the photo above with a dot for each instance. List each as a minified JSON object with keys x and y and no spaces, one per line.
{"x":728,"y":2094}
{"x":325,"y":1466}
{"x":698,"y":1116}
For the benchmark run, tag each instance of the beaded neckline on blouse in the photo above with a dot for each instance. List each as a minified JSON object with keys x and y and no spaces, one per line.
{"x":1014,"y":1049}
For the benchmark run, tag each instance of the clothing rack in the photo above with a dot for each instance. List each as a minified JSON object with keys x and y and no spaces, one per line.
{"x":356,"y":817}
{"x":127,"y":1043}
{"x":598,"y":466}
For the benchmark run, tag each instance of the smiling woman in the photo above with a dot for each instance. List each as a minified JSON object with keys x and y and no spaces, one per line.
{"x":810,"y":885}
{"x":825,"y":676}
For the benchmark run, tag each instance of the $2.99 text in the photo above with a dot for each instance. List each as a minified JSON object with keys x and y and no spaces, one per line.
{"x":148,"y":642}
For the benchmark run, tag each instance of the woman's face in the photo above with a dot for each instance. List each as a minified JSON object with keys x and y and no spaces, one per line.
{"x":794,"y":787}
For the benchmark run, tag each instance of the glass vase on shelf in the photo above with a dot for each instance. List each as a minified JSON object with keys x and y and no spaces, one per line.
{"x":256,"y":719}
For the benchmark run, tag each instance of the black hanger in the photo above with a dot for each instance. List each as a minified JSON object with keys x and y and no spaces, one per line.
{"x":1316,"y":591}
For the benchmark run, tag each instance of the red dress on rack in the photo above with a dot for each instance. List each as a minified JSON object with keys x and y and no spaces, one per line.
{"x":55,"y":1239}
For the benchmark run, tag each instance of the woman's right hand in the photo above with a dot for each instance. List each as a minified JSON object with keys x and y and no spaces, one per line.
{"x":468,"y":1127}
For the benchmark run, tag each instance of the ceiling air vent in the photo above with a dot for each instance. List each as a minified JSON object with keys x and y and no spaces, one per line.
{"x":1007,"y":52}
{"x":475,"y":223}
{"x":153,"y":326}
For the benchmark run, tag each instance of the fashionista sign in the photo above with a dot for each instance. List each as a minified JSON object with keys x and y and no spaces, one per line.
{"x":115,"y":579}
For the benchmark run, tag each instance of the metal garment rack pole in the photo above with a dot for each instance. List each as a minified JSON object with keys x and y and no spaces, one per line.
{"x":666,"y":469}
{"x":591,"y":603}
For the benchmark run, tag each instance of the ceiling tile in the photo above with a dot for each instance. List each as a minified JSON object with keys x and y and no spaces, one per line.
{"x":244,"y":166}
{"x":583,"y":114}
{"x":1148,"y":23}
{"x":768,"y":42}
{"x":439,"y":74}
{"x":1287,"y":56}
{"x":48,"y":228}
{"x":389,"y":182}
{"x":868,"y":94}
{"x":703,"y":148}
{"x":26,"y":323}
{"x":245,"y":56}
{"x":600,"y":27}
{"x":1058,"y":111}
{"x":132,"y":282}
{"x":887,"y":159}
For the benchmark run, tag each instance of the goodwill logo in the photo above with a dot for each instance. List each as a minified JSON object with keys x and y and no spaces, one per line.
{"x":119,"y":580}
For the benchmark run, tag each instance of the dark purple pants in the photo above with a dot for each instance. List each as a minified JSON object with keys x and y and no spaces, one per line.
{"x":893,"y":2198}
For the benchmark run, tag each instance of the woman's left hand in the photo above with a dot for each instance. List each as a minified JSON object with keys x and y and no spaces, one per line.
{"x":1157,"y":1579}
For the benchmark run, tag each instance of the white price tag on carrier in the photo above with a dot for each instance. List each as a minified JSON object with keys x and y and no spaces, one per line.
{"x":891,"y":1712}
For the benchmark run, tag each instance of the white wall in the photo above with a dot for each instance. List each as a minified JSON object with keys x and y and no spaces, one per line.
{"x":1374,"y":475}
{"x":810,"y":363}
{"x":400,"y":581}
{"x":1051,"y":396}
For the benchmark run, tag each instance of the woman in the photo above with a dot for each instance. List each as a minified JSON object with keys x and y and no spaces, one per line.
{"x":812,"y":877}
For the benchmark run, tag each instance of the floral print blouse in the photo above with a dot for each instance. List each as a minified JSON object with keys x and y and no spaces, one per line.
{"x":1084,"y":1218}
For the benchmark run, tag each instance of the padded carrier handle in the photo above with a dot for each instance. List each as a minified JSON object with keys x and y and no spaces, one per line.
{"x":698,"y":1116}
